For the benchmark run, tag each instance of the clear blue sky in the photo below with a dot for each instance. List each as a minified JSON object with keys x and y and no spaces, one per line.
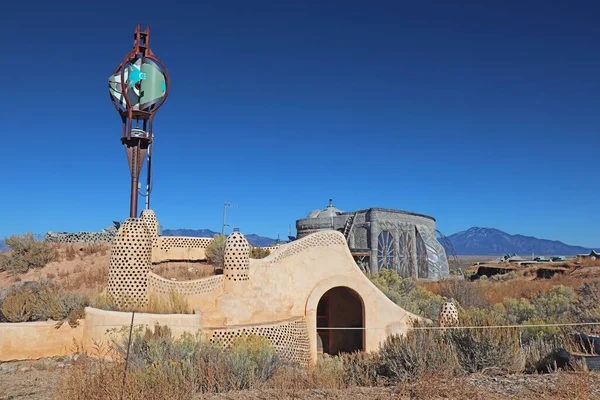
{"x":477,"y":114}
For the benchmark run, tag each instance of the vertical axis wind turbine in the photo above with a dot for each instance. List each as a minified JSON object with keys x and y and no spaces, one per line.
{"x":137,"y":88}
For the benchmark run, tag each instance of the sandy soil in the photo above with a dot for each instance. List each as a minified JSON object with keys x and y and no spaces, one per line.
{"x":88,"y":273}
{"x":38,"y":379}
{"x":85,"y":271}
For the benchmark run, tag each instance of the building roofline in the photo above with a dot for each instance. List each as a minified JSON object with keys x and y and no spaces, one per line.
{"x":390,"y":210}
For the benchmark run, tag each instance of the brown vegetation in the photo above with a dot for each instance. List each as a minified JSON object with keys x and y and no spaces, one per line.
{"x":41,"y":301}
{"x":25,"y":253}
{"x":485,"y":293}
{"x":215,"y":252}
{"x":173,"y":303}
{"x":184,"y":271}
{"x":423,"y":365}
{"x":259,"y":252}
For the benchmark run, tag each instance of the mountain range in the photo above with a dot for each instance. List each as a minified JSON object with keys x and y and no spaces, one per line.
{"x":474,"y":241}
{"x":489,"y":241}
{"x":253,"y":239}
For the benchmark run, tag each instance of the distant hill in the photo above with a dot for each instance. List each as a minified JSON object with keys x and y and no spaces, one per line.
{"x":3,"y":246}
{"x":489,"y":241}
{"x":253,"y":239}
{"x":189,"y":232}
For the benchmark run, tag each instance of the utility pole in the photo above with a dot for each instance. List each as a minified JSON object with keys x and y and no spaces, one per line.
{"x":225,"y":205}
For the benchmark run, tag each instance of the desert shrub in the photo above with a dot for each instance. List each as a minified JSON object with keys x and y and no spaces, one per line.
{"x":258,"y":252}
{"x":467,"y":294}
{"x":157,"y":348}
{"x":409,"y":356}
{"x":25,"y":253}
{"x":424,"y":303}
{"x":518,"y":310}
{"x":18,"y":307}
{"x":483,"y":349}
{"x":4,"y":261}
{"x":552,"y":306}
{"x":361,"y":369}
{"x":555,"y":304}
{"x":43,"y":301}
{"x":494,"y":315}
{"x":215,"y":252}
{"x":328,"y":373}
{"x":251,"y":360}
{"x":103,"y":301}
{"x":171,"y":303}
{"x":103,"y":380}
{"x":405,"y":293}
{"x":586,"y":307}
{"x":93,"y":248}
{"x":70,"y":252}
{"x":49,"y":302}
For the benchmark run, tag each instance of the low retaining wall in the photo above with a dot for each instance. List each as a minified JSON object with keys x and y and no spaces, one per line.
{"x":196,"y":292}
{"x":81,"y":237}
{"x":289,"y":337}
{"x":179,"y":248}
{"x":211,"y":284}
{"x":101,"y":326}
{"x":33,"y":340}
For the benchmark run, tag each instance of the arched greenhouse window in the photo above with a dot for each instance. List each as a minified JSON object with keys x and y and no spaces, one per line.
{"x":385,"y":250}
{"x":422,"y":262}
{"x":405,"y":257}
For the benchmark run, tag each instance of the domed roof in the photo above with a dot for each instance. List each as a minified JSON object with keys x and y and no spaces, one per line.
{"x":327,"y":212}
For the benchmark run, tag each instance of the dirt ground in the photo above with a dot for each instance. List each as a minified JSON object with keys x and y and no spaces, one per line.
{"x":38,"y":379}
{"x":87,"y":273}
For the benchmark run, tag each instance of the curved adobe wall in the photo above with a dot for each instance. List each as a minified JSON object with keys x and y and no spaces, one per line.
{"x":130,"y":262}
{"x":101,"y":328}
{"x":197,"y":293}
{"x":290,"y":282}
{"x":289,"y":337}
{"x":179,"y":248}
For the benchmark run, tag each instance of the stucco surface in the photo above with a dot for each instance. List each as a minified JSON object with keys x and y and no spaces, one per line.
{"x":175,"y":248}
{"x":100,"y":324}
{"x":293,"y":286}
{"x":277,"y":295}
{"x":32,"y":340}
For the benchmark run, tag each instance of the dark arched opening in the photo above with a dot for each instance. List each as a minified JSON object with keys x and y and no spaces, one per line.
{"x":340,"y":307}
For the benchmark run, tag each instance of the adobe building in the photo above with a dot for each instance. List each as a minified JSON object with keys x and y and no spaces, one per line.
{"x":307,"y":297}
{"x":384,"y":238}
{"x":293,"y":296}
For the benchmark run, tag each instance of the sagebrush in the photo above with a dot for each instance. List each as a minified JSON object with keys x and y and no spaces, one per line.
{"x":25,"y":253}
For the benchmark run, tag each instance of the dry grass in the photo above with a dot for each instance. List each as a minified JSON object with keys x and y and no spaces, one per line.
{"x":70,"y":252}
{"x":184,"y":271}
{"x":433,"y":386}
{"x":94,"y":248}
{"x":487,"y":293}
{"x":26,"y":253}
{"x":90,"y":281}
{"x":173,"y":303}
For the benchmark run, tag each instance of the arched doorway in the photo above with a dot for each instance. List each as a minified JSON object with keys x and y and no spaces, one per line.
{"x":340,"y":307}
